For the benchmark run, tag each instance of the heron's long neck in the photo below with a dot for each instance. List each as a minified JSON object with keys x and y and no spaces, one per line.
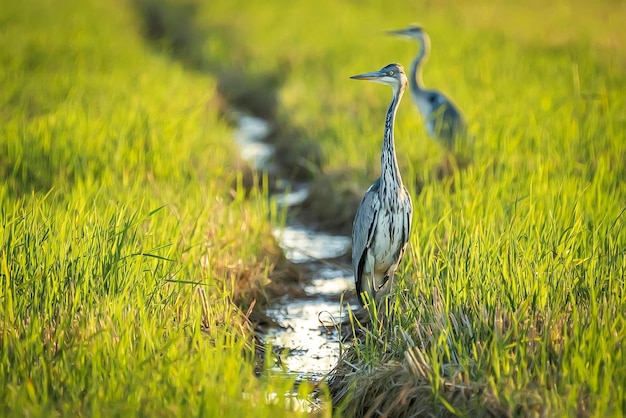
{"x":390,"y":173}
{"x":415,"y":78}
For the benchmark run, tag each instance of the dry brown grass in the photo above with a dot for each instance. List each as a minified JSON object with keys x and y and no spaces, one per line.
{"x":405,"y":387}
{"x":402,"y":380}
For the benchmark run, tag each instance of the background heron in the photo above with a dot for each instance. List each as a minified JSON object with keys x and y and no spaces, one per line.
{"x":383,"y":220}
{"x":442,"y":117}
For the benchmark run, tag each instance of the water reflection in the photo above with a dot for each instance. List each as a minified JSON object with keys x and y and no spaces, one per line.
{"x":249,"y":136}
{"x":313,"y":343}
{"x":302,"y":244}
{"x":312,"y":349}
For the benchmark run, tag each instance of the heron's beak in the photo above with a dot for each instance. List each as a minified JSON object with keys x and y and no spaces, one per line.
{"x":409,"y":32}
{"x":399,"y":32}
{"x":374,"y":75}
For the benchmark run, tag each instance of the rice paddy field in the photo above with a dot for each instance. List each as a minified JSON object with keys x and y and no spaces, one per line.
{"x":136,"y":245}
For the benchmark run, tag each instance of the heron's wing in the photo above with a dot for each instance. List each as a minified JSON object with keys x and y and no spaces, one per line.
{"x":408,"y":213}
{"x":454,"y":118}
{"x":449,"y":121}
{"x":406,"y":228}
{"x":363,"y":230}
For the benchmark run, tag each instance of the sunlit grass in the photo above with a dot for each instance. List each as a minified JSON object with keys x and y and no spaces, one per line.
{"x":515,"y":278}
{"x":119,"y":200}
{"x":126,"y":237}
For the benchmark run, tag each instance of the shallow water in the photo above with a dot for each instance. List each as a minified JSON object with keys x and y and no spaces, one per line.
{"x":302,"y":244}
{"x":249,"y":136}
{"x":309,"y":342}
{"x":308,"y":333}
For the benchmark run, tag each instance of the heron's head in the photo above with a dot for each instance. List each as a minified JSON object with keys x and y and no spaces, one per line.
{"x":392,"y":75}
{"x":412,"y":32}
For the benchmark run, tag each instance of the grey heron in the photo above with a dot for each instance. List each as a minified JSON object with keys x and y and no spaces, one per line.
{"x":382,"y":223}
{"x":443,"y":119}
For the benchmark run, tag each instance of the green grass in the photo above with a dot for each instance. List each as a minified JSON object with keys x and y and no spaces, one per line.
{"x":120,"y":190}
{"x":530,"y":246}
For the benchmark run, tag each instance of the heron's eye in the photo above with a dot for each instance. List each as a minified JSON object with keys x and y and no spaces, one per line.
{"x":391,"y":72}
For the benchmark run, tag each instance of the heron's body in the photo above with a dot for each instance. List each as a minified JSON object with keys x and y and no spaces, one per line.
{"x":383,"y":220}
{"x":442,"y":118}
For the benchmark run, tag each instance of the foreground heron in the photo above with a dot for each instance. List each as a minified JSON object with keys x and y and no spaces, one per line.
{"x":383,"y":220}
{"x":442,"y":117}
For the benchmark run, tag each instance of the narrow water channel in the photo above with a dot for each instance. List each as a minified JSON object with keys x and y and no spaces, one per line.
{"x":306,"y":336}
{"x":307,"y":330}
